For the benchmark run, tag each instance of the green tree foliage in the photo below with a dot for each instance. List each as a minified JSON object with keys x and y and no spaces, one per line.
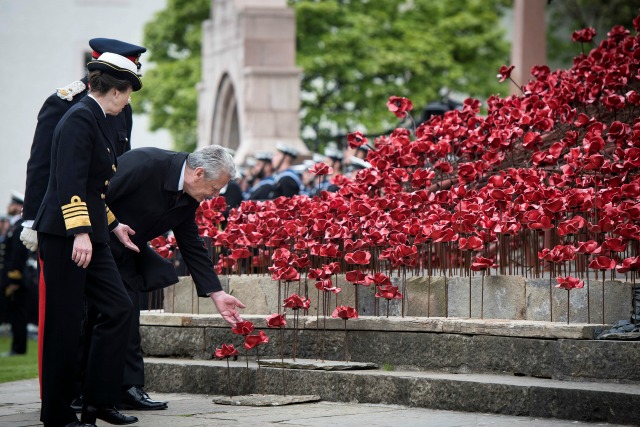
{"x":566,"y":16}
{"x":173,"y":39}
{"x":355,"y":54}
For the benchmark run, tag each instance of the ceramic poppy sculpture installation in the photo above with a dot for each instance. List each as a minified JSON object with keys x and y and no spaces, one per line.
{"x":530,"y":184}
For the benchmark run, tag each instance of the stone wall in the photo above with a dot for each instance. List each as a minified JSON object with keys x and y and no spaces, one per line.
{"x":492,"y":297}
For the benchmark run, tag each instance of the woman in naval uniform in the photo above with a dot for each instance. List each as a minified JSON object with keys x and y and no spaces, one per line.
{"x":73,"y":225}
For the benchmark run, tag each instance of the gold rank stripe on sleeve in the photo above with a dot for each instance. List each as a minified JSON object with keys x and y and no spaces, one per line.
{"x":110,"y":216}
{"x":76,"y":214}
{"x":15,"y":275}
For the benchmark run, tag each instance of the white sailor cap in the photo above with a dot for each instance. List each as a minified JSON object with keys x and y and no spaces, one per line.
{"x":265,"y":156}
{"x":299,"y":168}
{"x":358,"y":163}
{"x":333,"y":153}
{"x":17,"y":197}
{"x":287,"y":149}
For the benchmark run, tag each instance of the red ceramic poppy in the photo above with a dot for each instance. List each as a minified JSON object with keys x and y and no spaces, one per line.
{"x":559,"y":253}
{"x":331,"y":268}
{"x":399,"y":106}
{"x":588,"y":247}
{"x":164,"y":246}
{"x":505,"y":72}
{"x":355,"y":276}
{"x":629,"y":264}
{"x":321,"y":169}
{"x":602,"y":263}
{"x":296,"y":302}
{"x":287,"y":274}
{"x":243,"y":328}
{"x":240,"y":253}
{"x":569,"y":283}
{"x":250,"y":341}
{"x":276,"y":320}
{"x":227,"y":350}
{"x":479,"y":263}
{"x":356,"y":139}
{"x":301,"y":262}
{"x":358,"y":257}
{"x":388,"y":292}
{"x":583,"y":36}
{"x":326,"y":285}
{"x":473,"y":243}
{"x":614,"y":244}
{"x":345,"y":312}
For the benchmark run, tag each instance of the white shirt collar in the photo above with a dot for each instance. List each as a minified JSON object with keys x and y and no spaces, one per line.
{"x":92,"y":97}
{"x":181,"y":182}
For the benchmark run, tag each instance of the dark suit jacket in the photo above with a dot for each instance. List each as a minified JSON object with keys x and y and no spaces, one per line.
{"x":40,"y":159}
{"x":144,"y":195}
{"x":83,"y":161}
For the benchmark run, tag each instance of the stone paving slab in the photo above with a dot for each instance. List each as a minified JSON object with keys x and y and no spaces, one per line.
{"x":495,"y":327}
{"x":265,"y":399}
{"x":483,"y":393}
{"x":197,"y":410}
{"x":327,"y":365}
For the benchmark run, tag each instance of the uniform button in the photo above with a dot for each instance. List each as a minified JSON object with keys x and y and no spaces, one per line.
{"x":108,"y":150}
{"x":106,"y":183}
{"x":113,"y":167}
{"x":102,"y":196}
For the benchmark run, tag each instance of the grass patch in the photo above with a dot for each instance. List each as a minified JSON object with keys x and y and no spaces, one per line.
{"x":20,"y":367}
{"x":388,"y":367}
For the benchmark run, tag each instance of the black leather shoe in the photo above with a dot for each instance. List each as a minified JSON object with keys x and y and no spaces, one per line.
{"x":110,"y":415}
{"x":136,"y":398}
{"x":76,"y":404}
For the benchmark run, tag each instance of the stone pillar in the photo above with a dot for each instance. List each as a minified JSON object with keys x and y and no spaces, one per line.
{"x":529,"y":44}
{"x":249,"y":96}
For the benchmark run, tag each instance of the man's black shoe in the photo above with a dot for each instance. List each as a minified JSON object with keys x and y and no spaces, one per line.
{"x":79,"y":424}
{"x":76,"y":404}
{"x":110,"y":415}
{"x":136,"y":398}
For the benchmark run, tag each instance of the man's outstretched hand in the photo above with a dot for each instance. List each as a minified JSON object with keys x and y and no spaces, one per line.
{"x":122,"y":232}
{"x":227,"y":306}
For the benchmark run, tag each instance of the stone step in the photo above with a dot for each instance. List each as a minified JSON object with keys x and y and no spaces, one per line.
{"x":461,"y":346}
{"x":483,"y":393}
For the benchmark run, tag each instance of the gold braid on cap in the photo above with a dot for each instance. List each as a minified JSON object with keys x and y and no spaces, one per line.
{"x":76,"y":214}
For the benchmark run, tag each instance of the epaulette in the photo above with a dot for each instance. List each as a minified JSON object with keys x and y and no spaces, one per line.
{"x":71,"y":90}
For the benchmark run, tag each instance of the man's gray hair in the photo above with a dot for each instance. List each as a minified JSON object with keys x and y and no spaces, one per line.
{"x":215,"y":160}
